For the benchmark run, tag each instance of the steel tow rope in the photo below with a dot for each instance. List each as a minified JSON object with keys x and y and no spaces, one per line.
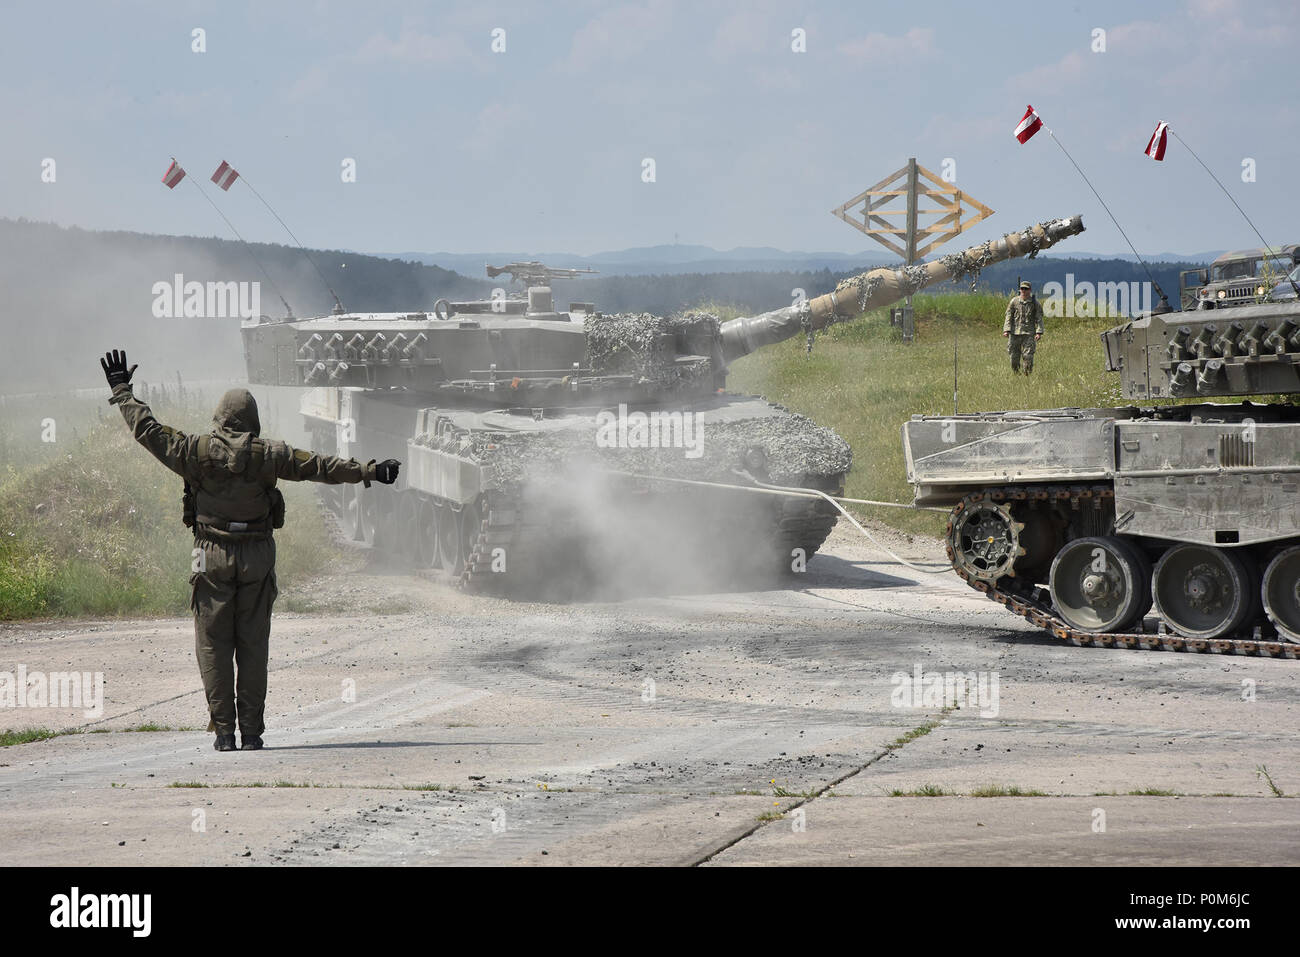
{"x":1030,"y":607}
{"x":800,"y":492}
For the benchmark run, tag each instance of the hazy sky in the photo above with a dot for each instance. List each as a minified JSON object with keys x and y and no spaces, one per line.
{"x":541,"y":146}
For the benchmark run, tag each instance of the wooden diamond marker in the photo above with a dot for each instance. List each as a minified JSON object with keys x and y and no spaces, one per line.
{"x":863,"y":212}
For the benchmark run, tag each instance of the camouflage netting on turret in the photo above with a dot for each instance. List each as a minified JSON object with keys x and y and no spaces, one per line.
{"x":794,"y":447}
{"x":648,"y":347}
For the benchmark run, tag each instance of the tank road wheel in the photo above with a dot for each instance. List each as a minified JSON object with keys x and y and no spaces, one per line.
{"x":471,"y":520}
{"x":984,"y":539}
{"x":1101,"y":585}
{"x":1202,"y":592}
{"x":1281,"y":592}
{"x":427,"y":536}
{"x":350,"y":512}
{"x":406,"y":531}
{"x":333,"y":497}
{"x":369,"y":508}
{"x":1043,"y":536}
{"x":387,"y":502}
{"x":449,"y":550}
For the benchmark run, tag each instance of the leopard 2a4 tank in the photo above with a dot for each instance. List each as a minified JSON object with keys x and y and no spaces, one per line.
{"x":543,"y":447}
{"x":1173,"y":526}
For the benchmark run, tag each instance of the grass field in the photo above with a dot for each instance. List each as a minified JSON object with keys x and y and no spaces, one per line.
{"x":91,"y":524}
{"x":864,"y":382}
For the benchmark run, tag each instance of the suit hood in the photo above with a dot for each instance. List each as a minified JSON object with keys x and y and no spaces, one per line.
{"x":237,"y":413}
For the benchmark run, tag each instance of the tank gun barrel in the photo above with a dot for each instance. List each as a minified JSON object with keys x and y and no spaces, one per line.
{"x":885,"y":285}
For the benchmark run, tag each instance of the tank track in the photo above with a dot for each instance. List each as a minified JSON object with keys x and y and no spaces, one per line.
{"x":503,"y":525}
{"x":525,"y":541}
{"x":796,"y":523}
{"x":803,"y":523}
{"x":530,"y":540}
{"x":1034,"y":604}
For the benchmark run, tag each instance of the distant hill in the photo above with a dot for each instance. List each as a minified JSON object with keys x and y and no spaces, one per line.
{"x":661,"y":260}
{"x":756,"y":292}
{"x":677,"y":259}
{"x":70,"y":294}
{"x":1201,"y":259}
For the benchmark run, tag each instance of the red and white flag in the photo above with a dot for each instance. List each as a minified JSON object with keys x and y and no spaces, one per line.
{"x":173,"y":175}
{"x":225,"y":175}
{"x":1029,"y":125}
{"x":1156,"y":145}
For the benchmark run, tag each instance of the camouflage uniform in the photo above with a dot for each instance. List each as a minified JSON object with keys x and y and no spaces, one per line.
{"x":232,"y":474}
{"x":1024,"y":321}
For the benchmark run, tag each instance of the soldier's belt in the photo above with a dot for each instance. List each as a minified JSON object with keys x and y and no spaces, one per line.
{"x":225,"y":525}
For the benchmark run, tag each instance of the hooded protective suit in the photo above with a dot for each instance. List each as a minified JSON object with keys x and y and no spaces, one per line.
{"x":232,"y":473}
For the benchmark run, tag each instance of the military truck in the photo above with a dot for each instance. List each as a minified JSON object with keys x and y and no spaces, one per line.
{"x":543,"y":446}
{"x":1085,"y":520}
{"x":1287,"y":290}
{"x":1238,"y":278}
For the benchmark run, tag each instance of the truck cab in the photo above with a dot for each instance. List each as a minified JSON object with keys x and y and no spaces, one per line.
{"x":1239,"y":278}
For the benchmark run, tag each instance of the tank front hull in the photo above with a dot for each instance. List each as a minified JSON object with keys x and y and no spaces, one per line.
{"x":557,"y":495}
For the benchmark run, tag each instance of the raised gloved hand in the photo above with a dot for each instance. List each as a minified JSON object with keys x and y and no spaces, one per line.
{"x":386,"y":471}
{"x":114,"y":366}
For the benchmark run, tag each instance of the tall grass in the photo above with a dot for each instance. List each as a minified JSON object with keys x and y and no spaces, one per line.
{"x":94,"y":527}
{"x":862,"y":381}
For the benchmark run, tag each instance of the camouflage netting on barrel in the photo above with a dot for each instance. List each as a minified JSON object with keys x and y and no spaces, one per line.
{"x":970,"y":262}
{"x":862,"y":287}
{"x":672,"y":352}
{"x":692,"y":445}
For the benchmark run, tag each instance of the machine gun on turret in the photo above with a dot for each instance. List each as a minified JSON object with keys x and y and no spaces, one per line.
{"x":534,"y":273}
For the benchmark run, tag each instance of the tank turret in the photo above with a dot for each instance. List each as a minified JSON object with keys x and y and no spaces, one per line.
{"x":521,"y":351}
{"x":1239,"y":351}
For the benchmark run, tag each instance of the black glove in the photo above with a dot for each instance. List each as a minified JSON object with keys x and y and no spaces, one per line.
{"x":114,"y":366}
{"x":386,"y":471}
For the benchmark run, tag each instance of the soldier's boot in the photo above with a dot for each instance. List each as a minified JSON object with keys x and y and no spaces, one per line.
{"x":224,"y":742}
{"x":251,"y":742}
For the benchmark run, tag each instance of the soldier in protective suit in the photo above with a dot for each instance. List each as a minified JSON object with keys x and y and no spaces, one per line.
{"x":1023,"y":328}
{"x":230,"y":477}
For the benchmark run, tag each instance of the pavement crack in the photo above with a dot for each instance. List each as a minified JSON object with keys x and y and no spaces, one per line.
{"x":897,"y":745}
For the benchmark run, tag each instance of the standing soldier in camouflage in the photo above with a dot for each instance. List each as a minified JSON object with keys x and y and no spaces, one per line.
{"x":1023,"y":328}
{"x":233,"y":504}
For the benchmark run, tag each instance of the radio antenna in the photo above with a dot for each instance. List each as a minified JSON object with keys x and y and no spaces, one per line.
{"x":1142,"y":262}
{"x":175,"y":173}
{"x":225,"y":177}
{"x":1267,"y":253}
